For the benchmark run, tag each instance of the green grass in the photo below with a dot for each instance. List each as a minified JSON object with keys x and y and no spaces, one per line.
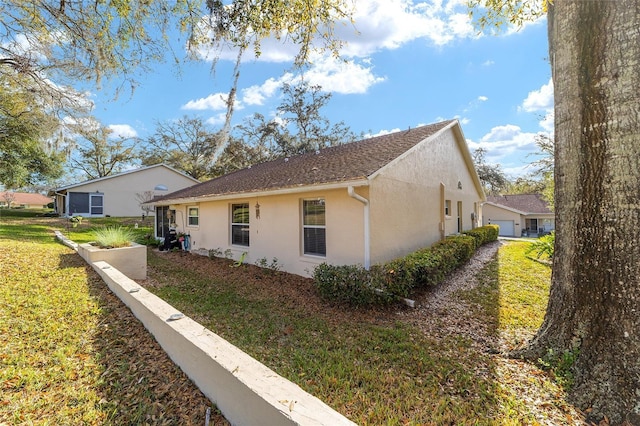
{"x":514,"y":292}
{"x":69,"y":353}
{"x":113,"y":237}
{"x":373,"y":369}
{"x":371,"y":366}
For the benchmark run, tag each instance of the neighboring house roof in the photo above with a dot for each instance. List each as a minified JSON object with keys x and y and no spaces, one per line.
{"x":23,"y":198}
{"x":355,"y":161}
{"x":128,"y":172}
{"x":521,"y":203}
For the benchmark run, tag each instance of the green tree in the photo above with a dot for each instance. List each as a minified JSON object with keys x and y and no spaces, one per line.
{"x":299,"y":125}
{"x":187,"y":144}
{"x":544,"y":166}
{"x":592,"y":316}
{"x":491,"y":176}
{"x":49,"y":46}
{"x":28,"y":155}
{"x":98,"y":155}
{"x":237,"y":155}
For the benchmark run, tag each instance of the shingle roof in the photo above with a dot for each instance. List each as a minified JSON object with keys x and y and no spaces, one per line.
{"x":527,"y":203}
{"x":24,"y":198}
{"x":343,"y":163}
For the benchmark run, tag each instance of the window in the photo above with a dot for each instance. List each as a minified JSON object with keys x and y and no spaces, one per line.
{"x":447,"y":207}
{"x":193,"y":216}
{"x":240,"y":224}
{"x":87,"y":203}
{"x":96,"y":204}
{"x":314,"y":228}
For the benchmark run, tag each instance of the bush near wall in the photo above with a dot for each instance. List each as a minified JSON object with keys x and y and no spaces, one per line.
{"x":484,"y":234}
{"x":385,"y":283}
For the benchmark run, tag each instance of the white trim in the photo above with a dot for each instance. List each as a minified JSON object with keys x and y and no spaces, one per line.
{"x":264,"y":193}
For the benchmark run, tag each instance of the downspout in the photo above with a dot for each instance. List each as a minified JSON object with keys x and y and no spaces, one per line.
{"x":367,"y":233}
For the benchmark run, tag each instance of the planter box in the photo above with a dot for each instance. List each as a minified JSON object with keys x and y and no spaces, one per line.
{"x":131,"y":261}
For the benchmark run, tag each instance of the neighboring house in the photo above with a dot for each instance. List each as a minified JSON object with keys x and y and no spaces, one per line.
{"x":118,"y":195}
{"x":519,"y":214}
{"x":359,"y":203}
{"x":24,"y":200}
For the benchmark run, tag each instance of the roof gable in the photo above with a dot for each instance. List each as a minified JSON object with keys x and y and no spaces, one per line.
{"x":522,"y":203}
{"x":128,"y":172}
{"x":344,"y":163}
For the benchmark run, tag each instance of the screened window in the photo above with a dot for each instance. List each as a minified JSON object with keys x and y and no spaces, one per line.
{"x":314,"y":229}
{"x":87,"y":203}
{"x":240,"y":224}
{"x":193,"y":216}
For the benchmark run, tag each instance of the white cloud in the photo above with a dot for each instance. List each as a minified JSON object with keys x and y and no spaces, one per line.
{"x":217,"y":119}
{"x":548,"y":122}
{"x":215,"y":102}
{"x":341,"y":77}
{"x":483,"y":98}
{"x":257,"y":95}
{"x":378,"y":25}
{"x":488,"y":63}
{"x":539,"y":100}
{"x":122,"y":131}
{"x":504,"y":141}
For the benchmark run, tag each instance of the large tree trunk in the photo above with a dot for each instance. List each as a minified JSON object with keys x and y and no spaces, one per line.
{"x":594,"y":305}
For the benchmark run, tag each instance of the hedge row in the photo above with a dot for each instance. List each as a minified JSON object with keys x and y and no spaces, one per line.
{"x":384,"y":283}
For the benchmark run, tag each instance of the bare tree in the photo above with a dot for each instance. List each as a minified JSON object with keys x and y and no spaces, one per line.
{"x":9,"y":197}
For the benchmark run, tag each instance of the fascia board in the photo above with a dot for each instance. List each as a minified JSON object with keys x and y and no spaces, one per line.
{"x":251,"y":194}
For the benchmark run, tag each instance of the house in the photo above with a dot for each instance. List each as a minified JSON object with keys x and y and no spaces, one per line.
{"x":119,"y":195}
{"x":23,"y":200}
{"x":519,"y":214}
{"x":361,"y":203}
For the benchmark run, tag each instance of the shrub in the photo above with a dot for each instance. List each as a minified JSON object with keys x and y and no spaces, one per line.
{"x":113,"y":237}
{"x":386,"y":282}
{"x":345,"y":284}
{"x":392,"y":279}
{"x":484,"y":234}
{"x":75,"y":221}
{"x":544,"y":246}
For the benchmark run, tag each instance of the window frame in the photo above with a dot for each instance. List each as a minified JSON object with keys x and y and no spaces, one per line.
{"x":313,"y":226}
{"x":196,"y":216}
{"x":239,"y":225}
{"x":447,"y":208}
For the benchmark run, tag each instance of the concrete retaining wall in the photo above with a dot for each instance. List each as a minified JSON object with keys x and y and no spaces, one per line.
{"x":131,"y":261}
{"x":245,"y":391}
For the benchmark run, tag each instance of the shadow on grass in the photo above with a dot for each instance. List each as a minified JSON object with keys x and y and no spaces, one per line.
{"x":138,"y":384}
{"x":371,"y":365}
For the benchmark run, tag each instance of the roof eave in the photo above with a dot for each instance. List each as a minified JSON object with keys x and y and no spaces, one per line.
{"x":264,"y":193}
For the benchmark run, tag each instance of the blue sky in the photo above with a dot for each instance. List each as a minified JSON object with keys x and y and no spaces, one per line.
{"x":410,"y":63}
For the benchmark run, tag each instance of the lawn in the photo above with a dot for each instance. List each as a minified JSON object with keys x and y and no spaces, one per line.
{"x":373,"y":366}
{"x":69,"y":352}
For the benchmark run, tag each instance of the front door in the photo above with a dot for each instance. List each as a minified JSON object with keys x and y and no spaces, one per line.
{"x":164,"y":218}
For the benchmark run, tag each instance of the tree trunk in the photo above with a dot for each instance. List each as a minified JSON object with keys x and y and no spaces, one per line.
{"x":594,"y":305}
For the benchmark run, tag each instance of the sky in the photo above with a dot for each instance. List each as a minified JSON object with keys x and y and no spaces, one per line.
{"x":409,"y":63}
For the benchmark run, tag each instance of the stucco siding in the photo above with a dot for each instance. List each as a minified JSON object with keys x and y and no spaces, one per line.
{"x":406,"y":202}
{"x":277,"y":233}
{"x":490,"y":213}
{"x":119,"y":192}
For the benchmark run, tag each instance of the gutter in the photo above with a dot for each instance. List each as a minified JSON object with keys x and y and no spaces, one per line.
{"x":367,"y":229}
